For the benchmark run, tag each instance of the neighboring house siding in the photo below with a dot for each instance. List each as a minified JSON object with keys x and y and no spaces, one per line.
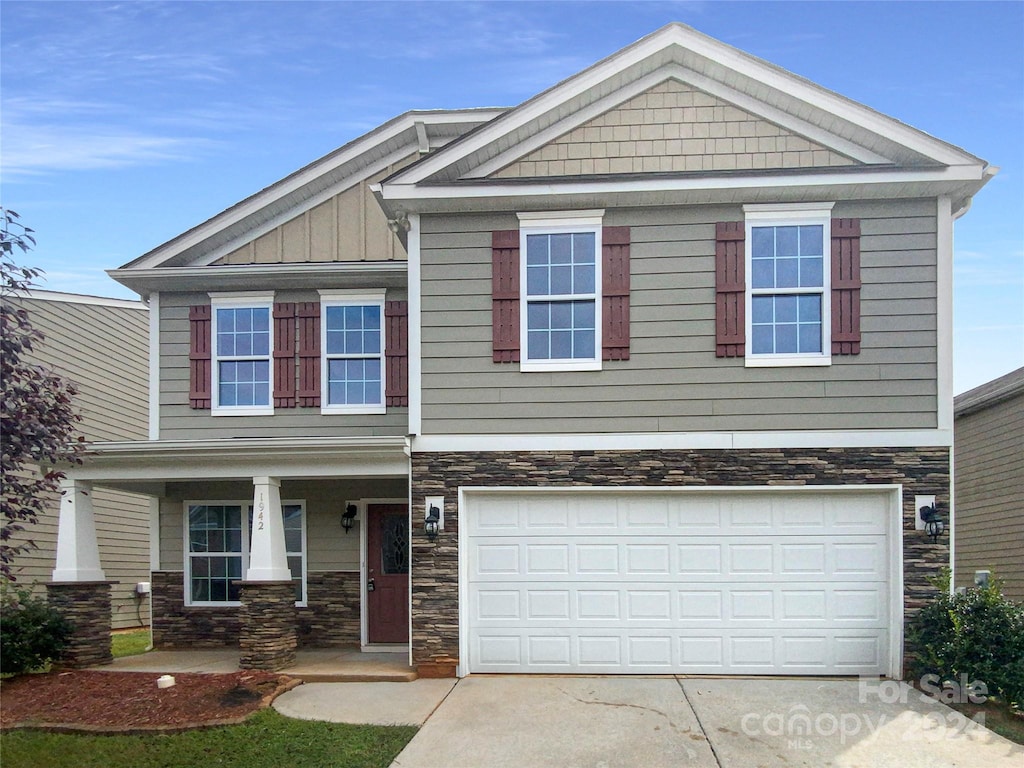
{"x":178,"y":421}
{"x":673,"y":127}
{"x":673,"y":381}
{"x":989,"y":480}
{"x":348,"y":227}
{"x":103,"y":351}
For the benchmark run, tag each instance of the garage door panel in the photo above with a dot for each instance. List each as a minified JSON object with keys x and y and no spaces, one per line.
{"x":717,"y":582}
{"x":667,"y":651}
{"x":643,"y":605}
{"x":691,"y":558}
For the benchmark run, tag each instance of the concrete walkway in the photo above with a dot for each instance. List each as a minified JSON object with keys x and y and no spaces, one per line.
{"x":365,"y":703}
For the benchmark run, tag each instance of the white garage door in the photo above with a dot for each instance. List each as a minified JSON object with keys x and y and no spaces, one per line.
{"x":752,"y":582}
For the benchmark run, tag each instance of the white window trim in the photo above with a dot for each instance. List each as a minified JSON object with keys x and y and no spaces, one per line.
{"x":351,"y":299}
{"x":244,"y":505}
{"x":236,"y":301}
{"x":557,"y":223}
{"x":791,"y":214}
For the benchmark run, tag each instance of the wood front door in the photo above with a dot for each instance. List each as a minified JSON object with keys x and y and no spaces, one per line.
{"x":387,"y":573}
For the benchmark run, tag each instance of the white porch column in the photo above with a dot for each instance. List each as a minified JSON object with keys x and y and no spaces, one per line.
{"x":268,"y":560}
{"x":78,"y":554}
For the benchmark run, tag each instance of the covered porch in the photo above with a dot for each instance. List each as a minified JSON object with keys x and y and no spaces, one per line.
{"x":312,"y":665}
{"x":258,"y":551}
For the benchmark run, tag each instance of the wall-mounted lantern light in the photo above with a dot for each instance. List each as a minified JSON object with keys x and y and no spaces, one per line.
{"x":348,"y":517}
{"x":432,"y":522}
{"x":933,"y":525}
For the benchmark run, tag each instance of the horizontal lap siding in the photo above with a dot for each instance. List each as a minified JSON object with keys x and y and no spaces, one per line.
{"x":673,"y":382}
{"x":989,"y":460}
{"x":180,"y":422}
{"x":103,"y":351}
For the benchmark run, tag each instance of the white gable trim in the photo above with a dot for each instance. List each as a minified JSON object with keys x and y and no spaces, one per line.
{"x":307,"y":205}
{"x":314,"y":170}
{"x":688,"y":77}
{"x":675,"y":34}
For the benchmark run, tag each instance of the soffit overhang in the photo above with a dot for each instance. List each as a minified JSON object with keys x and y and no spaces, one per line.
{"x":146,"y":465}
{"x":959,"y":183}
{"x":305,"y":276}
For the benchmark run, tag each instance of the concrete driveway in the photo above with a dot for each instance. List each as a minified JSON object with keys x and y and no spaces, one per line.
{"x":604,"y":722}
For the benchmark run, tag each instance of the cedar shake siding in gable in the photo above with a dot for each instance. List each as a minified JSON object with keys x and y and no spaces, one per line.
{"x":179,"y":420}
{"x":673,"y":380}
{"x":673,"y":127}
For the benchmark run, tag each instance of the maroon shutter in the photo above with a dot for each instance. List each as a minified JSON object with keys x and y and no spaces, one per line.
{"x":505,"y":295}
{"x":309,"y":353}
{"x":845,"y":286}
{"x":615,"y":292}
{"x":396,"y":352}
{"x":284,"y":355}
{"x":199,"y":356}
{"x":730,"y":288}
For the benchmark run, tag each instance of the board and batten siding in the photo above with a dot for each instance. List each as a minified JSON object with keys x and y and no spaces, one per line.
{"x":178,"y":421}
{"x":673,"y":381}
{"x":103,"y":350}
{"x":989,"y":481}
{"x":350,"y":226}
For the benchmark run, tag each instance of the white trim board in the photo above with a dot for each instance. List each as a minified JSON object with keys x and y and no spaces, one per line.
{"x":669,"y":39}
{"x":922,"y":438}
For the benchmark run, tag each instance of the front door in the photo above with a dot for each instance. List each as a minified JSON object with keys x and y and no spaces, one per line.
{"x":387,"y":573}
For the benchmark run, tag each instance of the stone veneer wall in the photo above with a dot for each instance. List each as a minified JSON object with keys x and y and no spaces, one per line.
{"x":435,"y":581}
{"x":86,"y":605}
{"x":330,"y":619}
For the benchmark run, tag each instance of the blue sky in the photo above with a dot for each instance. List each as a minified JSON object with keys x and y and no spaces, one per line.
{"x":127,"y":123}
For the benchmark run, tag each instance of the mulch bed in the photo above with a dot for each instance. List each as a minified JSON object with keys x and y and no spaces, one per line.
{"x":130,"y":702}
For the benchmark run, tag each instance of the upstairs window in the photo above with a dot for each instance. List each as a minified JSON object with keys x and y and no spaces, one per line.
{"x":788,"y":290}
{"x":242,"y":355}
{"x":353,"y":349}
{"x":561,"y":279}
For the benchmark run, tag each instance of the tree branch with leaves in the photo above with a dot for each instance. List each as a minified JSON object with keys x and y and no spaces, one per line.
{"x":38,"y":433}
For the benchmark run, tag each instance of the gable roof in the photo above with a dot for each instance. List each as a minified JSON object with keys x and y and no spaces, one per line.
{"x":417,"y":129}
{"x":878,"y":144}
{"x":989,"y":393}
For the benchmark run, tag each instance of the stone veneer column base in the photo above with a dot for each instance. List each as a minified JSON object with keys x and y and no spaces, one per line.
{"x":86,"y":605}
{"x":267,"y":635}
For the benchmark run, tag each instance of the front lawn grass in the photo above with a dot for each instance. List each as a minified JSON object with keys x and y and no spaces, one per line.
{"x":998,"y":717}
{"x":267,"y":740}
{"x":129,"y":643}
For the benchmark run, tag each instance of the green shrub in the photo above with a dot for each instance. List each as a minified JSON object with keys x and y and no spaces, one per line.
{"x":32,"y":633}
{"x":978,"y":634}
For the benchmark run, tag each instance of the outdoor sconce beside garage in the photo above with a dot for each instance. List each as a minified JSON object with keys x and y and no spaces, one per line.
{"x":928,"y":518}
{"x":433,"y":519}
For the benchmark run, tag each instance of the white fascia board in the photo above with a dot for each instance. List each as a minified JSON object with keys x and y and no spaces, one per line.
{"x":953,"y":174}
{"x":316,"y":169}
{"x":923,"y":438}
{"x":706,"y":84}
{"x":719,"y":53}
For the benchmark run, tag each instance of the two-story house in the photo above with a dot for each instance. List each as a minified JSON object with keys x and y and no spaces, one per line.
{"x":650,"y":373}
